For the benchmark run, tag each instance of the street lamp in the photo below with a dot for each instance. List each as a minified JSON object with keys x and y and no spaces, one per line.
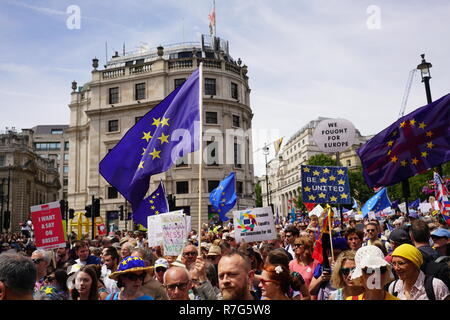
{"x":266,"y":153}
{"x":424,"y":68}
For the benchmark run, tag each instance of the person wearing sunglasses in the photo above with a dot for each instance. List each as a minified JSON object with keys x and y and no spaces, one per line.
{"x":190,"y":253}
{"x":130,"y":276}
{"x":177,"y":282}
{"x":371,"y":233}
{"x":372,"y":272}
{"x":41,"y":259}
{"x":341,"y":277}
{"x":276,"y":281}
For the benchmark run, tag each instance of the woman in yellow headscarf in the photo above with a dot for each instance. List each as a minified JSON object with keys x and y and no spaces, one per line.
{"x":413,"y":284}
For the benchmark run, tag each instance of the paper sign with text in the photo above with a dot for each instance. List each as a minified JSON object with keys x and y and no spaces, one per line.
{"x":317,"y":211}
{"x":255,"y":224}
{"x":173,"y":233}
{"x":48,"y":226}
{"x":154,"y":228}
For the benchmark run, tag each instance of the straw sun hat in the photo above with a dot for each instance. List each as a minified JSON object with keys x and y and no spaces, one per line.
{"x":129,"y":265}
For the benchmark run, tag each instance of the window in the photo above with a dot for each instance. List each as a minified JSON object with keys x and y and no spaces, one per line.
{"x":179,"y":82}
{"x":65,"y":182}
{"x":113,"y":125}
{"x":2,"y":161}
{"x":211,"y":154}
{"x":112,"y":193}
{"x":66,"y":157}
{"x":57,"y":131}
{"x":234,"y":91}
{"x":237,"y":155}
{"x":136,"y":119}
{"x":113,"y":95}
{"x":236,"y":121}
{"x":66,"y":145}
{"x":239,"y":187}
{"x":211,"y":117}
{"x":212,"y":184}
{"x":182,"y":187}
{"x":139,"y":92}
{"x":210,"y":87}
{"x":65,"y":169}
{"x":349,"y":163}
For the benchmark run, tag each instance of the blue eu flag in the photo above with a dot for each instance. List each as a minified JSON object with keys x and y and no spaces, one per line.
{"x":223,"y":198}
{"x":166,"y":133}
{"x":155,"y":203}
{"x":415,"y":204}
{"x":377,"y":203}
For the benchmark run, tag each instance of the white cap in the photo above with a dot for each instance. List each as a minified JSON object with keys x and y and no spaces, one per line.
{"x":368,"y":257}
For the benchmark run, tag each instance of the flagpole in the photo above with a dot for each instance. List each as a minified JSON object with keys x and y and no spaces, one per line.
{"x":200,"y":104}
{"x":330,"y":230}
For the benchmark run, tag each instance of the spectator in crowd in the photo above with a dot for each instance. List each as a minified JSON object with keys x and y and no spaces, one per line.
{"x":341,"y":277}
{"x":440,"y":238}
{"x":126,"y":249}
{"x":354,"y":238}
{"x":235,"y":276}
{"x":371,"y":233}
{"x":396,"y":238}
{"x":58,"y":281}
{"x":161,"y":266}
{"x":85,"y":284}
{"x":276,"y":282}
{"x":420,"y":237}
{"x":190,"y":254}
{"x":177,"y":282}
{"x":130,"y":276}
{"x":17,"y":277}
{"x":291,"y":234}
{"x":83,"y":254}
{"x":372,"y":272}
{"x":201,"y":286}
{"x":413,"y":284}
{"x":304,"y":263}
{"x":42,"y":259}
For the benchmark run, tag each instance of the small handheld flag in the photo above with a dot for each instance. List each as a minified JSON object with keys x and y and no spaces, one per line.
{"x":377,"y":203}
{"x":223,"y":198}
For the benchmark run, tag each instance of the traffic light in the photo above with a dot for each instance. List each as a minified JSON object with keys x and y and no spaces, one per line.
{"x":121,"y":213}
{"x":88,"y":209}
{"x":171,"y":199}
{"x":6,"y":220}
{"x":63,"y":206}
{"x":97,"y":207}
{"x":71,"y":213}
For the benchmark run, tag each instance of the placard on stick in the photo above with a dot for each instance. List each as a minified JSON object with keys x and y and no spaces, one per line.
{"x":48,"y":226}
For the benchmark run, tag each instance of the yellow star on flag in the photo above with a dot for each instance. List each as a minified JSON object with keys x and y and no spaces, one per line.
{"x":163,"y":138}
{"x":305,"y":169}
{"x":311,"y":197}
{"x":156,"y":122}
{"x":344,"y":196}
{"x":154,"y":197}
{"x":394,"y":133}
{"x":402,"y":124}
{"x":389,"y":152}
{"x":130,"y":259}
{"x":223,"y":200}
{"x":124,"y":262}
{"x":223,"y":193}
{"x":390,"y":143}
{"x":414,"y":161}
{"x":394,"y":159}
{"x":340,"y":171}
{"x":424,"y":154}
{"x":141,"y":165}
{"x":152,"y":207}
{"x":48,"y":290}
{"x":316,"y":173}
{"x":155,"y":154}
{"x":147,"y":136}
{"x":340,"y":181}
{"x":151,"y":201}
{"x":412,"y":122}
{"x":164,"y":121}
{"x":422,"y":125}
{"x":322,"y":195}
{"x":323,"y":180}
{"x":222,"y":205}
{"x":307,"y":189}
{"x":429,"y":133}
{"x":403,"y":163}
{"x":143,"y":151}
{"x":332,"y":178}
{"x":326,"y":170}
{"x":219,"y":210}
{"x":430,"y":145}
{"x":156,"y":212}
{"x":333,"y":198}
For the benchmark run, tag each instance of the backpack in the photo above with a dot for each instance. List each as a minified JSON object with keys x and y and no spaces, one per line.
{"x":438,"y":268}
{"x":428,"y":283}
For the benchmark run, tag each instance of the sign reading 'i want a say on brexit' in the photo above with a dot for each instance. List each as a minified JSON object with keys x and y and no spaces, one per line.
{"x":325,"y":184}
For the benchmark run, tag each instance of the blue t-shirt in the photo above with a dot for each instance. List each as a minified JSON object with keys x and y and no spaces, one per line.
{"x":115,"y":296}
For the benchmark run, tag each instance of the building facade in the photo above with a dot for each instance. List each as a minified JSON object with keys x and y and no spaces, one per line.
{"x":284,"y":176}
{"x":102,"y":110}
{"x":26,"y":179}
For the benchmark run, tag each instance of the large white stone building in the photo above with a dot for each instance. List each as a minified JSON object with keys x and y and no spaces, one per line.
{"x":102,"y":110}
{"x":283,"y":171}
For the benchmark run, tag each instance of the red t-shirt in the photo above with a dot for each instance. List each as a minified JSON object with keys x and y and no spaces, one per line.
{"x":307,"y":272}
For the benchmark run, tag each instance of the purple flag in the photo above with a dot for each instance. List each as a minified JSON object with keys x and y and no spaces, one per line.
{"x":411,"y":145}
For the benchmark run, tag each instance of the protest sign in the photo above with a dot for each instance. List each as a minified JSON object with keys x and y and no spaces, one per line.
{"x":317,"y":211}
{"x":325,"y":184}
{"x":48,"y":226}
{"x":154,"y":228}
{"x":173,"y":233}
{"x":334,"y":135}
{"x":255,"y":224}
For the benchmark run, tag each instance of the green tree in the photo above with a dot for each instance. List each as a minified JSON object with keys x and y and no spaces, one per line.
{"x":321,"y":159}
{"x":258,"y":194}
{"x":358,"y":186}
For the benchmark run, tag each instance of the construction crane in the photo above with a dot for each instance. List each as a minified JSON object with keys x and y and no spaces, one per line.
{"x":406,"y":94}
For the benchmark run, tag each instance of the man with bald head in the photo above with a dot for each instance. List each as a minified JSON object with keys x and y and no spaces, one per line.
{"x":235,"y":276}
{"x":177,"y":282}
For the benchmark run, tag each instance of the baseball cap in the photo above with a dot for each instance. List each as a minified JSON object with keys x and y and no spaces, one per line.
{"x":400,"y":236}
{"x":161,"y":262}
{"x":441,"y":233}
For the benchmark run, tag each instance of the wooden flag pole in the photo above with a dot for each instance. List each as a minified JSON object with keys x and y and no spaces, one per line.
{"x":330,"y":231}
{"x":200,"y":153}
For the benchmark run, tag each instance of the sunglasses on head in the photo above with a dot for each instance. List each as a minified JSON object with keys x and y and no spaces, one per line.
{"x":373,"y":270}
{"x":346,"y":271}
{"x":134,"y":276}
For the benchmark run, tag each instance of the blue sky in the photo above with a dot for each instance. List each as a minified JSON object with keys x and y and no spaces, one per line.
{"x":305,"y":58}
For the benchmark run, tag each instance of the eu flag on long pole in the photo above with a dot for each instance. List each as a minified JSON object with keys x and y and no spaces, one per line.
{"x":377,"y":203}
{"x":411,"y":145}
{"x":223,"y":198}
{"x":155,"y":203}
{"x":155,"y":142}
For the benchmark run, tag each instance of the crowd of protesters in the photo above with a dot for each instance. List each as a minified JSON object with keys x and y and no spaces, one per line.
{"x":399,"y":257}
